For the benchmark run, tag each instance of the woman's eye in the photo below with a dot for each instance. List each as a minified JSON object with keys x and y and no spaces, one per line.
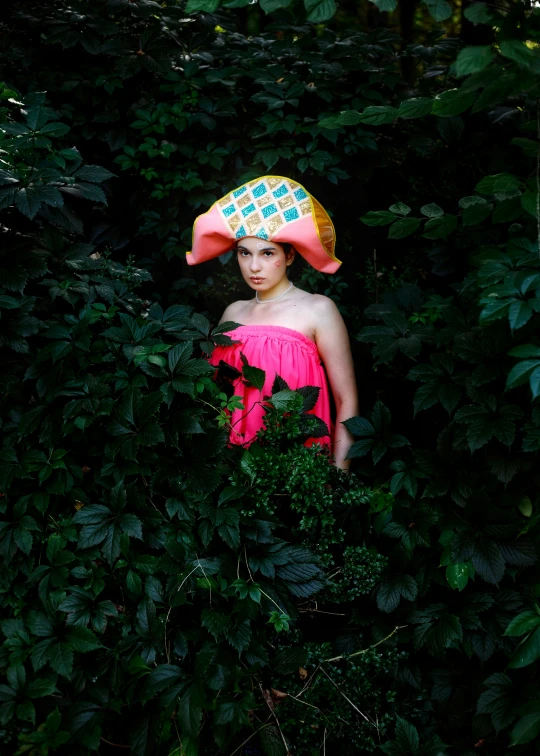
{"x":268,"y":253}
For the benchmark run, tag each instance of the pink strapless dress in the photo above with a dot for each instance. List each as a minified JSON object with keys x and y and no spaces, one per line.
{"x":278,"y":351}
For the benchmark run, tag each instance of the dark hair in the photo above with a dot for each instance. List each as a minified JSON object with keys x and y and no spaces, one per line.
{"x":287,"y":248}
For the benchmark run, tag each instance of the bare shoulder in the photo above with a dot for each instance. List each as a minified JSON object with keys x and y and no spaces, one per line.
{"x":324,"y":306}
{"x":234,"y":310}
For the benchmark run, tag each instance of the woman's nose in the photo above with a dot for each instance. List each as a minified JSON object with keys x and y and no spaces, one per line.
{"x":255,"y":263}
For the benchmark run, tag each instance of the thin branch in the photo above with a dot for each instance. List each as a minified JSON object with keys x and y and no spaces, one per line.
{"x":308,"y":684}
{"x":248,"y":739}
{"x":364,"y":650}
{"x":287,"y":750}
{"x":355,"y":707}
{"x":320,"y":611}
{"x":206,"y":576}
{"x":247,"y":565}
{"x":170,"y":610}
{"x":116,"y":745}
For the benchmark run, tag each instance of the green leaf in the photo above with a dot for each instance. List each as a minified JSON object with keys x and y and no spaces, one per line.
{"x":376,"y":115}
{"x":432,"y":211}
{"x":190,"y":712}
{"x":163,"y":676}
{"x":452,"y":102}
{"x":41,"y":686}
{"x":400,"y":208}
{"x":93,"y":173}
{"x":440,"y":10}
{"x":253,"y":375}
{"x":319,"y":10}
{"x":269,"y":6}
{"x":516,"y":50}
{"x":359,"y":426}
{"x":349,"y":118}
{"x":415,"y":107}
{"x":217,"y":623}
{"x":60,"y":656}
{"x":204,"y":6}
{"x":28,"y":201}
{"x":26,"y":711}
{"x":473,"y":59}
{"x":478,"y":13}
{"x":39,"y":624}
{"x":475,"y":214}
{"x":526,"y":729}
{"x":457,"y":575}
{"x":488,"y":561}
{"x":385,"y":5}
{"x":284,"y":400}
{"x":406,"y":740}
{"x":378,"y":218}
{"x":82,"y":639}
{"x":523,"y":623}
{"x":530,"y":203}
{"x":403,"y":227}
{"x":498,"y":182}
{"x":289,"y":660}
{"x":440,"y":228}
{"x":393,"y":589}
{"x":519,"y":313}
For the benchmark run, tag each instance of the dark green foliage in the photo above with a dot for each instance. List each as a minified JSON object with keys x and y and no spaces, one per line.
{"x":164,"y":592}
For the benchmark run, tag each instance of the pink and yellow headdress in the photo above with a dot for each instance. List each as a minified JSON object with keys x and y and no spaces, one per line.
{"x":273,"y":208}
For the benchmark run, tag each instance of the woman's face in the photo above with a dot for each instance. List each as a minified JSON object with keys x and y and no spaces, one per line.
{"x":263,"y":264}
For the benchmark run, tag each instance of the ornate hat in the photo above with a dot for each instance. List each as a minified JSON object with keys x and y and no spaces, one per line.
{"x":273,"y":208}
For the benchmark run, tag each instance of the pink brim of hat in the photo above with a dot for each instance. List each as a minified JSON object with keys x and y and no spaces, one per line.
{"x":291,"y":215}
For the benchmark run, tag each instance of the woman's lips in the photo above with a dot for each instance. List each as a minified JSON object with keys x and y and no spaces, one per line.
{"x":256,"y":279}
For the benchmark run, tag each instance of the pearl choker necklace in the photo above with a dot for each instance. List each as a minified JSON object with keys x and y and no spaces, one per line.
{"x":275,"y":299}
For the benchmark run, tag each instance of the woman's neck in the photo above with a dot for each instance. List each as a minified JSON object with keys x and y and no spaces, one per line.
{"x":276,"y":291}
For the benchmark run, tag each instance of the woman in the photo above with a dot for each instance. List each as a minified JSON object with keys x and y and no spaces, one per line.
{"x":284,"y":330}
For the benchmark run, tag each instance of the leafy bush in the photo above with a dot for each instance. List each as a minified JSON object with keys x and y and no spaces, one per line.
{"x":154,"y":576}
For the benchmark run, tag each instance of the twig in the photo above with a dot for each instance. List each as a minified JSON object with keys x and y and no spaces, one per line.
{"x":248,"y":739}
{"x":170,"y":610}
{"x":247,"y":565}
{"x":287,"y":750}
{"x":320,"y":611}
{"x":116,"y":745}
{"x":364,"y":650}
{"x":181,"y":748}
{"x":272,"y":600}
{"x":355,"y":707}
{"x":206,"y":576}
{"x":308,"y":684}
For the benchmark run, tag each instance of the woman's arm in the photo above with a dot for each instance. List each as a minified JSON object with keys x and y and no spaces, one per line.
{"x":334,"y":347}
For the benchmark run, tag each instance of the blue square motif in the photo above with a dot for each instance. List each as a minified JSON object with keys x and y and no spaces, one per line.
{"x":291,"y":214}
{"x":300,"y":195}
{"x":241,"y":232}
{"x":238,"y":192}
{"x":269,"y":210}
{"x":229,"y":210}
{"x":247,"y":210}
{"x":259,"y":190}
{"x":280,"y":192}
{"x":261,"y":233}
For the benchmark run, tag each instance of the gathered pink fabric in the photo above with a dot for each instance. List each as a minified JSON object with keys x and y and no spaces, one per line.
{"x":278,"y":351}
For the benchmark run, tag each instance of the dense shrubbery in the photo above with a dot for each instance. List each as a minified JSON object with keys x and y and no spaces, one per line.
{"x":164,"y":592}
